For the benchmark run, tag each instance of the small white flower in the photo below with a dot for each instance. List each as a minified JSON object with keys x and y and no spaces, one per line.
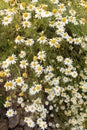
{"x":59,"y":58}
{"x":12,"y":59}
{"x":26,"y":24}
{"x":10,"y":113}
{"x":41,"y":55}
{"x":22,"y":54}
{"x":34,"y":1}
{"x":19,"y":39}
{"x":23,"y":6}
{"x":24,"y":88}
{"x":74,"y":74}
{"x":42,"y":40}
{"x":55,"y":1}
{"x":72,"y":12}
{"x":10,"y":85}
{"x":20,"y":100}
{"x":29,"y":122}
{"x":23,"y":64}
{"x":7,"y":20}
{"x":19,"y":81}
{"x":68,"y":61}
{"x":26,"y":16}
{"x":5,"y":64}
{"x":29,"y":42}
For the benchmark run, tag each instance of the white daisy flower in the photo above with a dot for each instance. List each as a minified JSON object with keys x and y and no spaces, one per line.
{"x":68,"y":61}
{"x":23,"y":64}
{"x":26,"y":24}
{"x":19,"y":39}
{"x":22,"y":54}
{"x":19,"y":81}
{"x":29,"y":42}
{"x":20,"y":100}
{"x":26,"y":16}
{"x":74,"y":74}
{"x":10,"y":113}
{"x":12,"y":59}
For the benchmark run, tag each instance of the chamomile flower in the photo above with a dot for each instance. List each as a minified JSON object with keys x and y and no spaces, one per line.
{"x":52,"y":23}
{"x":11,"y":11}
{"x":43,"y":125}
{"x":26,"y":16}
{"x":38,"y":87}
{"x":19,"y":81}
{"x":31,"y":7}
{"x":64,"y":21}
{"x":12,"y":59}
{"x":46,"y":14}
{"x":23,"y":6}
{"x":19,"y":39}
{"x":57,"y":90}
{"x":65,"y":79}
{"x":39,"y":12}
{"x":77,"y":41}
{"x":55,"y":12}
{"x":53,"y":42}
{"x":42,"y":40}
{"x":30,"y":108}
{"x":34,"y":64}
{"x":5,"y":64}
{"x":7,"y":72}
{"x":55,"y":81}
{"x":20,"y":100}
{"x":39,"y":107}
{"x":39,"y":120}
{"x":7,"y":104}
{"x":60,"y":31}
{"x":49,"y":69}
{"x":29,"y":122}
{"x":58,"y":24}
{"x":26,"y":24}
{"x":43,"y":115}
{"x":39,"y":69}
{"x":62,"y":7}
{"x":23,"y":64}
{"x":34,"y":1}
{"x":41,"y":55}
{"x":55,"y":1}
{"x":27,"y":108}
{"x":10,"y":85}
{"x":7,"y":20}
{"x":32,"y":90}
{"x":67,"y":72}
{"x":22,"y":54}
{"x":65,"y":35}
{"x":72,"y":19}
{"x":72,"y":12}
{"x":82,"y":21}
{"x":29,"y":42}
{"x":59,"y":58}
{"x":74,"y":74}
{"x":24,"y":88}
{"x":10,"y":113}
{"x":50,"y":75}
{"x":70,"y":39}
{"x":68,"y":61}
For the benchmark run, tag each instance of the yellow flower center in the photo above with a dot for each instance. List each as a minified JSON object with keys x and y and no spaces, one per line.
{"x":19,"y":38}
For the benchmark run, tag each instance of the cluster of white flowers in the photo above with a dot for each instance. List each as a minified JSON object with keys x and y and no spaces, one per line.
{"x":43,"y":78}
